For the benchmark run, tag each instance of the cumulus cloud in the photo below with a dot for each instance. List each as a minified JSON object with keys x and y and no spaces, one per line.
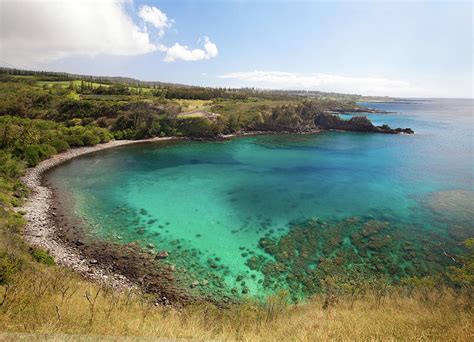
{"x":323,"y":82}
{"x":155,"y":17}
{"x":42,"y":31}
{"x":183,"y":52}
{"x":33,"y":32}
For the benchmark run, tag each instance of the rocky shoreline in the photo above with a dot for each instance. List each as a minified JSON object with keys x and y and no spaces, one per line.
{"x":41,"y":229}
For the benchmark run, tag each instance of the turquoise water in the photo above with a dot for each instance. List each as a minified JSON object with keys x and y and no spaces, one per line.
{"x":210,"y":203}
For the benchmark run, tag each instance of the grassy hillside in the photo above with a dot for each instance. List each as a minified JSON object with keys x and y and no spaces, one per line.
{"x":53,"y":301}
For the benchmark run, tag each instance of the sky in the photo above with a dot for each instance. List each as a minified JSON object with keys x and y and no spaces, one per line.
{"x":404,"y":48}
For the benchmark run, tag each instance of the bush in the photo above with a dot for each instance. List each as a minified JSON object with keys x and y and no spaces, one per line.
{"x":36,"y":153}
{"x":126,"y":134}
{"x":32,"y":155}
{"x":43,"y":257}
{"x":8,"y":266}
{"x":195,"y":127}
{"x":74,"y":140}
{"x":60,"y":145}
{"x":9,"y":167}
{"x":90,"y":138}
{"x":103,"y":134}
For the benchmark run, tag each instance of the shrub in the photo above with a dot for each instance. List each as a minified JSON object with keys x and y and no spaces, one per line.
{"x":9,"y":167}
{"x":9,"y":265}
{"x":59,"y":144}
{"x":195,"y":127}
{"x":43,"y":257}
{"x":103,"y":134}
{"x":35,"y":153}
{"x":32,"y":155}
{"x":74,"y":140}
{"x":90,"y":138}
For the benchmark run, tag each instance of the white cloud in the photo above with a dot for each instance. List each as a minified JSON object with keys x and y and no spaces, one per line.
{"x":183,"y":52}
{"x":33,"y":32}
{"x":210,"y":47}
{"x":39,"y":31}
{"x":324,"y":82}
{"x":154,"y":16}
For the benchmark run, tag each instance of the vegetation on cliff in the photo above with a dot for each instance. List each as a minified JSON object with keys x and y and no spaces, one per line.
{"x":140,"y":110}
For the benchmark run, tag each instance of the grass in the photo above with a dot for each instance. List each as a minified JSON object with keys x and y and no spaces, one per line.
{"x":55,"y":301}
{"x":191,"y":115}
{"x":65,"y":84}
{"x":192,"y":105}
{"x":248,"y":110}
{"x":77,"y":83}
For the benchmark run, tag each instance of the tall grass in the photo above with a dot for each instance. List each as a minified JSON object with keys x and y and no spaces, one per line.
{"x":52,"y":300}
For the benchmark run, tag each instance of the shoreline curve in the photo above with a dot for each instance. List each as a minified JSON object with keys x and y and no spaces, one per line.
{"x":41,"y":230}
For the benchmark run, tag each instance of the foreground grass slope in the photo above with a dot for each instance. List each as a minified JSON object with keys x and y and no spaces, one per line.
{"x":53,"y":301}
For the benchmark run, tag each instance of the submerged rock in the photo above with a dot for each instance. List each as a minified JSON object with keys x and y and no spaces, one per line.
{"x":161,"y":255}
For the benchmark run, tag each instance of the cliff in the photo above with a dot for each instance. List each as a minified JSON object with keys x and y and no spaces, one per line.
{"x":355,"y":124}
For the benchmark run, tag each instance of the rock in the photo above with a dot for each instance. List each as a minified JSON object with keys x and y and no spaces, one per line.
{"x":161,"y":255}
{"x":194,"y":284}
{"x":93,"y":262}
{"x":355,"y":124}
{"x":150,"y":246}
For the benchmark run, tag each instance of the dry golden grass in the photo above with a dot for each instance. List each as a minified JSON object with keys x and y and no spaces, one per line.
{"x":192,"y":105}
{"x":54,"y":301}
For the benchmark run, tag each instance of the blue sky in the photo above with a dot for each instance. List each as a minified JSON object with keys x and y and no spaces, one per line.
{"x":399,"y":49}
